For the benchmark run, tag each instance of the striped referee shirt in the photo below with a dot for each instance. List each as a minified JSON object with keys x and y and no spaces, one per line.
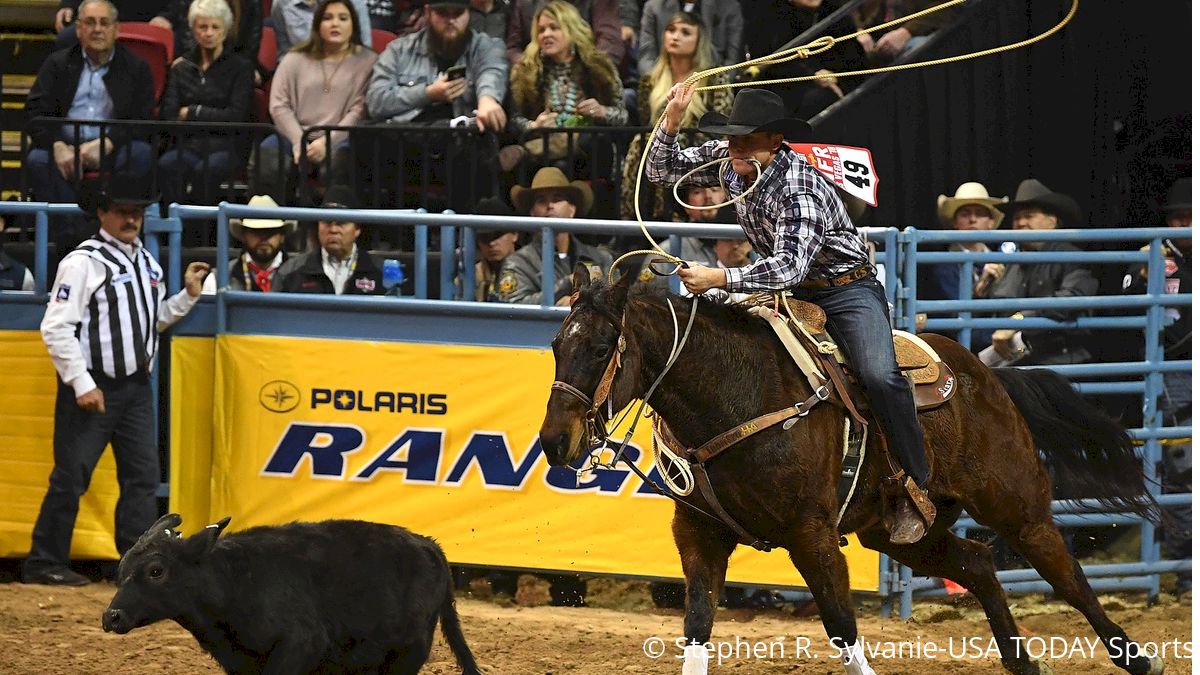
{"x":106,"y":308}
{"x":794,"y":219}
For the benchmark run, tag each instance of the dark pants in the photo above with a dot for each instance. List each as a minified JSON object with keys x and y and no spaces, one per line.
{"x":275,"y":174}
{"x":858,"y":320}
{"x":79,"y":439}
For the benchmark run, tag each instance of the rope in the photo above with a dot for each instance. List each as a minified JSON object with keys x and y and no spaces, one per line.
{"x":817,"y":46}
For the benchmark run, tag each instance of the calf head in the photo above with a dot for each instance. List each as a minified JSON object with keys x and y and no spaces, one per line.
{"x":161,"y":576}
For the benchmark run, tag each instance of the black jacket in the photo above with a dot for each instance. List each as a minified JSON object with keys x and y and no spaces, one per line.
{"x":305,"y":274}
{"x":225,"y":93}
{"x":128,"y":81}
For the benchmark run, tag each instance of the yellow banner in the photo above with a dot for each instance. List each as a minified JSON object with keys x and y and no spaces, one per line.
{"x":27,"y":437}
{"x":441,"y":439}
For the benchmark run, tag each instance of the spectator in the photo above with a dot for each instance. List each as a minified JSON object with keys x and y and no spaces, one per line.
{"x":69,"y":11}
{"x":550,"y":195}
{"x":339,"y":266}
{"x":561,"y":80}
{"x":207,"y":84}
{"x":13,"y":275}
{"x":243,"y":30}
{"x":490,"y":17}
{"x":603,"y":17}
{"x":970,"y":209}
{"x":101,"y":328}
{"x":1175,"y":336}
{"x":256,"y":269}
{"x":321,"y":82}
{"x":1036,"y":207}
{"x":441,"y":72}
{"x":98,"y":80}
{"x":630,"y":13}
{"x":722,"y":27}
{"x":775,"y":23}
{"x":294,"y":22}
{"x":715,"y":253}
{"x":685,"y":50}
{"x":492,"y":248}
{"x":899,"y":41}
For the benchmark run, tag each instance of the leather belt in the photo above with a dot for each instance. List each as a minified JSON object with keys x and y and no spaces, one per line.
{"x":840,"y":280}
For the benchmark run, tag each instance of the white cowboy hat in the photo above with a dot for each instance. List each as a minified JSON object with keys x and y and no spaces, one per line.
{"x":969,"y":193}
{"x":237,"y":225}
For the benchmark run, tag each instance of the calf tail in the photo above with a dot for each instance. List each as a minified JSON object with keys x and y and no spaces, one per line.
{"x":452,"y":631}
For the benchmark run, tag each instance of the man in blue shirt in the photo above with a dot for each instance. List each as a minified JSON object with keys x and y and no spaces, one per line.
{"x":806,"y":244}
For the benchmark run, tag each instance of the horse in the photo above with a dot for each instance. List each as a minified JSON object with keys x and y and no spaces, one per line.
{"x":781,"y":482}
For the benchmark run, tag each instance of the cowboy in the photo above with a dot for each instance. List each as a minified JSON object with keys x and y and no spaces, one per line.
{"x":1037,"y":207}
{"x":340,"y":266}
{"x":492,"y":248}
{"x":262,"y":239}
{"x":808,"y":245}
{"x":550,"y":195}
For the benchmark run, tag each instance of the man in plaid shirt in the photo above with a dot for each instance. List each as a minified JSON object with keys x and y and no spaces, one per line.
{"x":805,"y":241}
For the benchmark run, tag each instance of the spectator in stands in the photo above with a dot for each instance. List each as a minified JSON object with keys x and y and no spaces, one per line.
{"x":971,"y":208}
{"x":209,"y":83}
{"x":98,"y":79}
{"x":492,"y":248}
{"x":13,"y":275}
{"x":490,"y":17}
{"x":774,"y":24}
{"x":715,"y":253}
{"x":256,"y":269}
{"x":603,"y":17}
{"x":899,"y":41}
{"x":685,"y":50}
{"x":550,"y":195}
{"x":1036,"y":207}
{"x":630,"y":14}
{"x":339,"y":266}
{"x":243,"y":31}
{"x":561,"y":80}
{"x":296,"y":20}
{"x":69,"y":11}
{"x":721,"y":24}
{"x":323,"y":81}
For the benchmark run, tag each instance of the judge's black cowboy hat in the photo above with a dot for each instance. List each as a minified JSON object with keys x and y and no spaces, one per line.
{"x":1179,"y":197}
{"x":115,"y":190}
{"x":755,"y":110}
{"x":1031,"y":193}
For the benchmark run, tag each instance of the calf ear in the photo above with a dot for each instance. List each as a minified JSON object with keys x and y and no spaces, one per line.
{"x":203,"y":541}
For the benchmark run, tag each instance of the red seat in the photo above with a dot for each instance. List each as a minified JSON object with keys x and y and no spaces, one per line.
{"x":380,"y":39}
{"x":155,"y":45}
{"x":262,"y":112}
{"x":268,"y":49}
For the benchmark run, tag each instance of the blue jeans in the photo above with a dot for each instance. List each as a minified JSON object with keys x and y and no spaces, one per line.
{"x":858,"y":320}
{"x":275,"y":172}
{"x":180,"y":167}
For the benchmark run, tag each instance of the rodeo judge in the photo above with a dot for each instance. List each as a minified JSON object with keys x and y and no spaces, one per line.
{"x":107,"y":307}
{"x":808,"y":245}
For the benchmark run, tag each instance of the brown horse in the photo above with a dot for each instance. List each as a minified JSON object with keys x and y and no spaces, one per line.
{"x":781,"y":483}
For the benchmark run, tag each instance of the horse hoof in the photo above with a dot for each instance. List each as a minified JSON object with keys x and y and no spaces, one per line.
{"x":1157,"y":665}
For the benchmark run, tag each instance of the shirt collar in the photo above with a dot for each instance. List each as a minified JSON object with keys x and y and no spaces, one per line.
{"x":88,"y":62}
{"x":128,"y":249}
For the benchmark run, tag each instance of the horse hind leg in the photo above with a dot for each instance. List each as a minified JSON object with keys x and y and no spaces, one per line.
{"x":968,"y":563}
{"x":1035,"y":537}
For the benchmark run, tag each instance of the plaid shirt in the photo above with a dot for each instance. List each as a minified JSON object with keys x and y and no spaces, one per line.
{"x":794,"y":219}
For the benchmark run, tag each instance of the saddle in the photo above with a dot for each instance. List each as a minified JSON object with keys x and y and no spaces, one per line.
{"x":801,"y":328}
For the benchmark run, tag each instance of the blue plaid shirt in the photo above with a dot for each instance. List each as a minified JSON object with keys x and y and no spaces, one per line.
{"x":794,"y":219}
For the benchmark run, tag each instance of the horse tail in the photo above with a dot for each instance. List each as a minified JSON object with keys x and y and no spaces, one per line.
{"x":1091,"y":455}
{"x":452,"y":631}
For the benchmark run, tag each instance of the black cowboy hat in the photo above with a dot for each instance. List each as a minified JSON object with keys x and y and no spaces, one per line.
{"x":1031,"y":192}
{"x":339,"y":197}
{"x":755,"y":110}
{"x":1179,"y":197}
{"x":117,"y":189}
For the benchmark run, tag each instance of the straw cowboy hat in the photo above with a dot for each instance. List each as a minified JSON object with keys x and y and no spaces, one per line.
{"x":969,"y":193}
{"x":1179,"y":197}
{"x":238,"y":225}
{"x":755,"y":110}
{"x":1031,"y":192}
{"x":552,"y":178}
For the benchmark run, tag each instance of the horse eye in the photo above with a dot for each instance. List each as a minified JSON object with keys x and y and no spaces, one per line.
{"x":155,"y":572}
{"x":601,"y":351}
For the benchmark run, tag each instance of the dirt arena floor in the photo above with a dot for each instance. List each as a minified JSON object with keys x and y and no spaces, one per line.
{"x":57,"y":630}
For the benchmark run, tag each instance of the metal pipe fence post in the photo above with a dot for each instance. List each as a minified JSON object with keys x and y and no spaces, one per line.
{"x":547,"y":267}
{"x":41,"y":241}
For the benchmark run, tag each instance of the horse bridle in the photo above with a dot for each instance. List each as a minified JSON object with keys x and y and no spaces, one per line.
{"x":594,"y":402}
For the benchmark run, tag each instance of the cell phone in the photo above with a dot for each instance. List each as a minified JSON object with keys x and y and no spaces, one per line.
{"x":456,"y":72}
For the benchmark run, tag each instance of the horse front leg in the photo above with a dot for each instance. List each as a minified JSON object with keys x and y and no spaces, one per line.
{"x":704,"y":549}
{"x":813,"y":547}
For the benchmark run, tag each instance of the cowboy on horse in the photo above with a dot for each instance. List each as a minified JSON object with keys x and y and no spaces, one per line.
{"x":807,"y":245}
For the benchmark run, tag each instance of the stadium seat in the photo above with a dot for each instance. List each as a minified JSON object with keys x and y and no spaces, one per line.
{"x":380,"y":39}
{"x":262,"y":100}
{"x":268,"y":49}
{"x":155,"y":45}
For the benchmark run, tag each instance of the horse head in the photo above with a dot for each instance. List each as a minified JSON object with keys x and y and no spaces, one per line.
{"x":594,"y":370}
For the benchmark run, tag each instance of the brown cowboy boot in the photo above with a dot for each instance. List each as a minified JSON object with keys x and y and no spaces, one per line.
{"x":913,"y":513}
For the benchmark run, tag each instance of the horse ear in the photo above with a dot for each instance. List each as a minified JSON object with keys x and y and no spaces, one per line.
{"x":581,"y":278}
